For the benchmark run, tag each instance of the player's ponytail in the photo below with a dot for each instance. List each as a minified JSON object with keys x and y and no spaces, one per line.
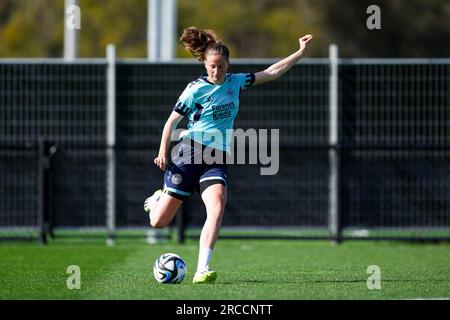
{"x":200,"y":42}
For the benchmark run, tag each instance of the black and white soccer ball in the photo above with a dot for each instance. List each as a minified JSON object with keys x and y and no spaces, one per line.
{"x":169,"y":268}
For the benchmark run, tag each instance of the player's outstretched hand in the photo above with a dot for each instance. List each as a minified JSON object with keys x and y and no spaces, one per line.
{"x":304,"y":41}
{"x":161,"y":162}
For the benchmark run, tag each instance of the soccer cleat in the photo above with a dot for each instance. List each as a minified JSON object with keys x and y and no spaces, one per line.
{"x":207,"y":276}
{"x":153,"y":198}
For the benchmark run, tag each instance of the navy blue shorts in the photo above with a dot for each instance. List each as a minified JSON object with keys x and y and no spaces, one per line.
{"x":188,"y":171}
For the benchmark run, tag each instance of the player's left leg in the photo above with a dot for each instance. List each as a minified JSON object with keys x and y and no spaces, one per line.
{"x":214,"y":198}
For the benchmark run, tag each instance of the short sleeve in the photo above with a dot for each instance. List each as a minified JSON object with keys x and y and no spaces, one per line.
{"x":245,"y":80}
{"x":185,"y":102}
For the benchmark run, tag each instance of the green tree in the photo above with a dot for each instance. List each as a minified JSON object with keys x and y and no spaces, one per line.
{"x":251,"y":28}
{"x":409,"y":28}
{"x":27,"y":28}
{"x":36,"y":28}
{"x":264,"y":28}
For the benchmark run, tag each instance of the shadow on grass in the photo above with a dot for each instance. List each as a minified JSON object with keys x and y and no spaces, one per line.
{"x":244,"y":281}
{"x":271,"y":282}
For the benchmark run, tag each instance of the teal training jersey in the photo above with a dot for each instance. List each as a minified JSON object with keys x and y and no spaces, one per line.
{"x":211,"y":109}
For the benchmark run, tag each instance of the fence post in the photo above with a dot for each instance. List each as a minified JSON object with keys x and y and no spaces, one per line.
{"x":52,"y":150}
{"x":45,"y":152}
{"x":334,"y":150}
{"x":181,"y":221}
{"x":111,"y":144}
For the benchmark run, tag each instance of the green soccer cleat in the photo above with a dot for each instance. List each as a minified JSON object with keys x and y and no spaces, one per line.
{"x":155,"y":197}
{"x":204,"y":277}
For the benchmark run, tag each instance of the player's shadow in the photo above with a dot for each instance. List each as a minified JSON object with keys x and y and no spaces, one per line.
{"x":254,"y":281}
{"x":300,"y":281}
{"x":245,"y":281}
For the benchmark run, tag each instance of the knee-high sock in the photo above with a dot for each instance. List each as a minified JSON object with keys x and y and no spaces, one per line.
{"x":204,"y":256}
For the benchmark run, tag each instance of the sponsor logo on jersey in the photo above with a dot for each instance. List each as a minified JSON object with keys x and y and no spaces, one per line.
{"x":222,"y":111}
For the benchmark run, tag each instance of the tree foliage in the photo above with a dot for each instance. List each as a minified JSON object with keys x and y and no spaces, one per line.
{"x":252,"y":28}
{"x":409,"y":28}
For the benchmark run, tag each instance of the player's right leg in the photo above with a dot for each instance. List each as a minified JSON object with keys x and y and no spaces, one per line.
{"x":163,"y":205}
{"x":163,"y":210}
{"x":213,"y":190}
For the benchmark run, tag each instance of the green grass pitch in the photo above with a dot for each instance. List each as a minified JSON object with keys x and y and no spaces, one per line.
{"x":247,"y":269}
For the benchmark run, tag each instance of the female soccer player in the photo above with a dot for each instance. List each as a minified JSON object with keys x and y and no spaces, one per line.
{"x":211,"y":104}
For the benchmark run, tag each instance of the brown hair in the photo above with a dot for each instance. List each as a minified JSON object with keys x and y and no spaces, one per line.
{"x":198,"y":42}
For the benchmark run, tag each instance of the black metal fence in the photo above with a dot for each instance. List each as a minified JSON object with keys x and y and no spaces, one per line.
{"x":395,"y":136}
{"x":393,"y":146}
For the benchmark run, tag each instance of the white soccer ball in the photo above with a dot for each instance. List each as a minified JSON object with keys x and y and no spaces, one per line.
{"x":169,"y":268}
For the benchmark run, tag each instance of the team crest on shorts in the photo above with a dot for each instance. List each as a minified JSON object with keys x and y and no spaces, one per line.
{"x":176,"y":178}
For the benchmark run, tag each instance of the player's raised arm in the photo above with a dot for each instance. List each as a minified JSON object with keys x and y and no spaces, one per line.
{"x":277,"y":69}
